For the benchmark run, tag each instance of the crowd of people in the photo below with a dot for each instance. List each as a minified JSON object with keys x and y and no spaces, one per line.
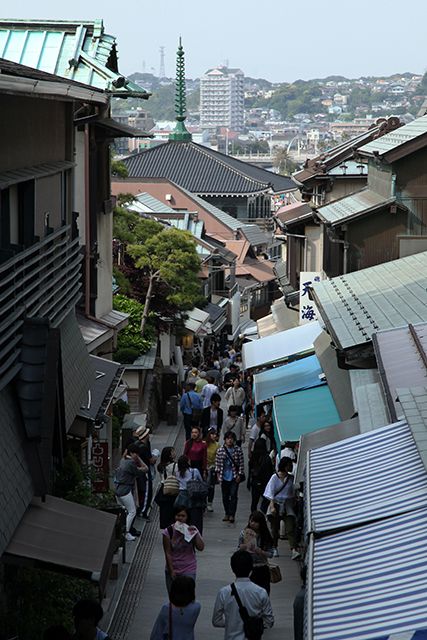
{"x":213,"y":459}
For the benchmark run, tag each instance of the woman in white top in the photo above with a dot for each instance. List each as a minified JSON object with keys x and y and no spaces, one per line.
{"x":184,"y":474}
{"x":280,"y":492}
{"x":235,"y":423}
{"x":235,"y":395}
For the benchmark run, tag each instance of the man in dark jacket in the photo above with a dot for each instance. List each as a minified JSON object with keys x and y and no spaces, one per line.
{"x":213,"y":416}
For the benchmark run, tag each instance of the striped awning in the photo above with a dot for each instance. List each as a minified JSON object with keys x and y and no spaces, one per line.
{"x":369,"y":583}
{"x":370,"y":476}
{"x":301,"y":374}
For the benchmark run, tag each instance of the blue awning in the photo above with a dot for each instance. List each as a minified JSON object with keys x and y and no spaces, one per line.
{"x":301,"y":374}
{"x":301,"y":412}
{"x":372,"y":475}
{"x":369,"y":583}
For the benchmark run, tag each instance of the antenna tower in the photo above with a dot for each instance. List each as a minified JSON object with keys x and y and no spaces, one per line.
{"x":162,"y":73}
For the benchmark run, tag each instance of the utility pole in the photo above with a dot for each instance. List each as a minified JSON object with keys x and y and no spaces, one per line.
{"x":162,"y":73}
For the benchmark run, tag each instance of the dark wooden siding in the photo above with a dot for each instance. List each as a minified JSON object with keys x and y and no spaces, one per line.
{"x":373,"y":239}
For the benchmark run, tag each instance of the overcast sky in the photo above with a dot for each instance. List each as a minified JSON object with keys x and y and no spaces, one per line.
{"x":280,"y":40}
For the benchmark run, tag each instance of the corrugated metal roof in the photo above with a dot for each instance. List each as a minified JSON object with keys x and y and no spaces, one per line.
{"x":414,"y":405}
{"x":397,"y":138}
{"x":149,"y":203}
{"x":362,"y":202}
{"x":145,"y":361}
{"x":345,"y":466}
{"x":360,"y":378}
{"x":359,"y":304}
{"x":79,"y":51}
{"x":196,"y":168}
{"x":402,"y":358}
{"x":369,"y":582}
{"x":295,"y":212}
{"x":8,"y":178}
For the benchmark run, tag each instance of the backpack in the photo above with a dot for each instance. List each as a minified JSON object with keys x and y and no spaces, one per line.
{"x":171,"y":484}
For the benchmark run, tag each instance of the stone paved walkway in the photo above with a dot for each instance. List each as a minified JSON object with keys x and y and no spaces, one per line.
{"x":213,"y":572}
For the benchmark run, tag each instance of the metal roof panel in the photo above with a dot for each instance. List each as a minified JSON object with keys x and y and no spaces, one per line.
{"x":396,"y":138}
{"x":359,"y":203}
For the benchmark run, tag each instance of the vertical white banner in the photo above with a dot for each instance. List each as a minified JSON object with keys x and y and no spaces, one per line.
{"x":307,"y":309}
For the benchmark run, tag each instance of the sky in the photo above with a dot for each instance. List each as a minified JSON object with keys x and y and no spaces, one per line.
{"x":279,"y":40}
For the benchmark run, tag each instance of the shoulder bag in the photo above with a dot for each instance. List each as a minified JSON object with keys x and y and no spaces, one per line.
{"x":242,"y":475}
{"x":275,"y":573}
{"x":252,"y":625}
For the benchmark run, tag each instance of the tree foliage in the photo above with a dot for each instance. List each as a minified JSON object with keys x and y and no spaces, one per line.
{"x":130,"y":337}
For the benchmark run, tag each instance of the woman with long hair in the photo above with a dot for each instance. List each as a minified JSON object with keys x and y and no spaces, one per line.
{"x":257,"y":540}
{"x":260,"y":471}
{"x":267,"y":434}
{"x":195,"y":509}
{"x":177,"y":618}
{"x":179,"y":550}
{"x":195,"y":451}
{"x":166,"y":467}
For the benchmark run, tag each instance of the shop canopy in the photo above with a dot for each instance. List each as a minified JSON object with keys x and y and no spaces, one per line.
{"x":301,"y":412}
{"x":64,"y":536}
{"x":370,"y":582}
{"x":301,"y":374}
{"x":280,"y":346}
{"x":367,"y":477}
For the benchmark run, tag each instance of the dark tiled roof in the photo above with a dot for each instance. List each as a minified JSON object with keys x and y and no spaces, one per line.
{"x":203,"y":171}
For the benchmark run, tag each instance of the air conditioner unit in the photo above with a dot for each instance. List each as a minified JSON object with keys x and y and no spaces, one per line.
{"x":168,"y":197}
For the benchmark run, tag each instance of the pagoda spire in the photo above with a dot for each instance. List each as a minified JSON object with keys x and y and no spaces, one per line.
{"x":180,"y":133}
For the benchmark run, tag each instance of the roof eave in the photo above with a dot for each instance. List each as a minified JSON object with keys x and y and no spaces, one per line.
{"x":51,"y":89}
{"x":350,"y":218}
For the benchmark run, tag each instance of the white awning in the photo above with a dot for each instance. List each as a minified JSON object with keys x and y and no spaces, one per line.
{"x":280,"y":346}
{"x":197,"y":321}
{"x":368,"y":477}
{"x":370,"y":582}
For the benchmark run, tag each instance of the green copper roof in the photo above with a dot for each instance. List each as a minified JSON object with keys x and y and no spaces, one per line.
{"x":79,"y":51}
{"x":180,"y":134}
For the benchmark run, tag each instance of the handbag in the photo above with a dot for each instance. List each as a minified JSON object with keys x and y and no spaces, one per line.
{"x":253,"y":625}
{"x":197,"y":488}
{"x":171,"y":484}
{"x":160,"y":498}
{"x":182,"y":500}
{"x":275,"y":573}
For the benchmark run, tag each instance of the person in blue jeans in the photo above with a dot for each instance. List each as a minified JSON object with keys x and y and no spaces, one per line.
{"x":177,"y":618}
{"x":229,"y":466}
{"x":191,"y":408}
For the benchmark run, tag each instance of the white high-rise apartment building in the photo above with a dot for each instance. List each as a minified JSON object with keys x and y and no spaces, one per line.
{"x":222,"y":98}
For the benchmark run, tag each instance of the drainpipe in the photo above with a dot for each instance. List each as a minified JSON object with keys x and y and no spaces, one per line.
{"x":87,"y":223}
{"x":344,"y":243}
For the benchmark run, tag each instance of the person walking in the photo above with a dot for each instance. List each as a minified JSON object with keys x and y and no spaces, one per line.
{"x":212,"y":448}
{"x":229,"y":466}
{"x":144,"y":481}
{"x":256,"y":539}
{"x":177,"y":618}
{"x":195,"y":507}
{"x":260,"y":471}
{"x":208,"y":390}
{"x":267,"y":434}
{"x":195,"y":450}
{"x":167,"y":467}
{"x":212,"y":416}
{"x":280,"y":492}
{"x":255,"y":431}
{"x":131,"y":466}
{"x":180,"y":541}
{"x":200,"y":382}
{"x":226,"y":612}
{"x":191,"y":408}
{"x":235,"y":395}
{"x":234,"y":422}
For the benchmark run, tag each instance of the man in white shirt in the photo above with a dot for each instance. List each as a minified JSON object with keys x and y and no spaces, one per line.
{"x":255,"y":599}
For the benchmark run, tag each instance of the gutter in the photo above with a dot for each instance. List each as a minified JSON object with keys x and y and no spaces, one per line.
{"x":51,"y":89}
